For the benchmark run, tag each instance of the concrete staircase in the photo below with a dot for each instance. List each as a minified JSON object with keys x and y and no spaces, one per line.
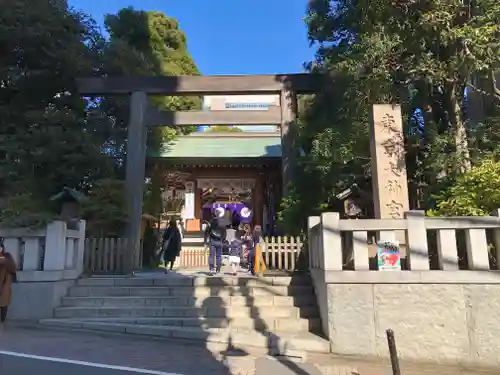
{"x":278,"y":314}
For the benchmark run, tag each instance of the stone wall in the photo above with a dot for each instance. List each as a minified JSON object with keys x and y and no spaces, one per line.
{"x":438,"y":323}
{"x":49,"y":261}
{"x":37,"y":300}
{"x":447,"y":314}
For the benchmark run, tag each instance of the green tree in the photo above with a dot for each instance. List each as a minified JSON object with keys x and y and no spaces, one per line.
{"x":475,"y":193}
{"x":49,"y":136}
{"x":104,"y":208}
{"x":146,"y":43}
{"x":47,"y":141}
{"x":422,"y":55}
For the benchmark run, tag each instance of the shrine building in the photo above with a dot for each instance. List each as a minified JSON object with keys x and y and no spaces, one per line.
{"x":238,"y":171}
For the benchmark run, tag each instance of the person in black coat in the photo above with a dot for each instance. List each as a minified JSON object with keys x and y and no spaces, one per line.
{"x":236,"y":220}
{"x":215,"y":237}
{"x":171,"y":243}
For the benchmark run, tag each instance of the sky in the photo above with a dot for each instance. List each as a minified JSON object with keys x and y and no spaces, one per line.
{"x":230,"y":36}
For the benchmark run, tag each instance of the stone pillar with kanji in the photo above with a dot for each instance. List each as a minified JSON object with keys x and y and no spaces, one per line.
{"x":389,"y":178}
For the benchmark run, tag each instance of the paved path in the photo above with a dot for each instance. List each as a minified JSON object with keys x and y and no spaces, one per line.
{"x":113,"y":350}
{"x":25,"y":351}
{"x":12,"y":363}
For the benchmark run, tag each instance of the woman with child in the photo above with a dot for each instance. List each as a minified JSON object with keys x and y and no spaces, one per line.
{"x":240,"y":242}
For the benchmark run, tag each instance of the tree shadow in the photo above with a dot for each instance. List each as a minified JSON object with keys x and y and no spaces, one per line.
{"x":280,"y":356}
{"x":185,"y":312}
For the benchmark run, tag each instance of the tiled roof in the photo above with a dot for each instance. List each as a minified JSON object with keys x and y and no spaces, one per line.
{"x":223,"y":145}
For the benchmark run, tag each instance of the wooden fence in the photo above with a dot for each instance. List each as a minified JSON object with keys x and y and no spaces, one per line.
{"x":104,"y":255}
{"x":283,"y":253}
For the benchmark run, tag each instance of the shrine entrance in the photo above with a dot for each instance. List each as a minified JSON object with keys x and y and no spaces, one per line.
{"x":244,"y":181}
{"x":235,"y":196}
{"x":143,"y":115}
{"x":193,"y":206}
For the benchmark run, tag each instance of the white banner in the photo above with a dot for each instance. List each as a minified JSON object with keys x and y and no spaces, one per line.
{"x":189,"y":201}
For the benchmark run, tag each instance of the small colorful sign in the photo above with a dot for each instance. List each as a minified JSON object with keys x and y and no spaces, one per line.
{"x":388,"y":255}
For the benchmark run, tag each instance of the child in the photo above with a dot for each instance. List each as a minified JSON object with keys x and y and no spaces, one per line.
{"x":235,"y":250}
{"x":249,"y":246}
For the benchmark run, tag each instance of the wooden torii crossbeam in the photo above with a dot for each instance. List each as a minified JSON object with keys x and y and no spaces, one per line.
{"x":301,"y":83}
{"x":143,"y":115}
{"x":155,"y":117}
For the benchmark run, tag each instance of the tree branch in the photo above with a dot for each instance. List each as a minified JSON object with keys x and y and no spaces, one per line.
{"x":496,"y":90}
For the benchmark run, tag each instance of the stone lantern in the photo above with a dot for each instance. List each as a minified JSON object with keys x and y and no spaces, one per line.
{"x":69,"y":201}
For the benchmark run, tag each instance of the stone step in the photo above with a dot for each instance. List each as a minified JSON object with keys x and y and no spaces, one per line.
{"x":193,"y":291}
{"x":180,"y":280}
{"x":226,"y":301}
{"x":261,"y":324}
{"x":276,"y":343}
{"x":186,"y":311}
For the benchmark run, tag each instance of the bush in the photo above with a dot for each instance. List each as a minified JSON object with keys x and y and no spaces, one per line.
{"x":105,"y":208}
{"x":24,"y":210}
{"x":476,"y":193}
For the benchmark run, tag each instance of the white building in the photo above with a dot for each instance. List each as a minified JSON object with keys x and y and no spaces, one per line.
{"x":243,"y":103}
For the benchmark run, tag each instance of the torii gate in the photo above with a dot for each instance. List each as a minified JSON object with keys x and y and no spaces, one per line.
{"x":142,"y":115}
{"x":389,"y":179}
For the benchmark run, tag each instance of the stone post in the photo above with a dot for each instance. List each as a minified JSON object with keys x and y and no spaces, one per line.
{"x":311,"y":222}
{"x":389,"y":179}
{"x":288,"y":103}
{"x":135,"y":169}
{"x":417,"y":253}
{"x":55,"y":247}
{"x":12,"y":246}
{"x":332,"y":242}
{"x":81,"y":246}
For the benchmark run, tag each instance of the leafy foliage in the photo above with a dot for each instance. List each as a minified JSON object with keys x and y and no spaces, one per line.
{"x":422,"y":55}
{"x":105,"y":208}
{"x":147,"y":43}
{"x":476,"y":193}
{"x":52,"y":138}
{"x":46,"y":142}
{"x":23,"y":210}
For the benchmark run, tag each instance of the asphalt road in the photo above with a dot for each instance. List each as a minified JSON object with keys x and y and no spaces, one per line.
{"x":12,"y":363}
{"x":22,"y":364}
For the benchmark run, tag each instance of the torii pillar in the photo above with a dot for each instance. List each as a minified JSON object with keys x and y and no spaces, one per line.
{"x":288,"y":103}
{"x":135,"y":171}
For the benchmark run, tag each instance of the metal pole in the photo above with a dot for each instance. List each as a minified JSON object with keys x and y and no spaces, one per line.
{"x":134,"y":179}
{"x":391,"y":341}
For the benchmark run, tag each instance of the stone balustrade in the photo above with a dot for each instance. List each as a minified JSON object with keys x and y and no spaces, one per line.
{"x":48,"y":260}
{"x":443,"y":305}
{"x":326,"y":232}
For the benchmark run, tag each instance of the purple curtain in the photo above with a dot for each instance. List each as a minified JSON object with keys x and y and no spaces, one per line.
{"x":242,"y":210}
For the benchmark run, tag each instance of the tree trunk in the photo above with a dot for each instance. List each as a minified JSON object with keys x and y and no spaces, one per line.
{"x":458,"y":127}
